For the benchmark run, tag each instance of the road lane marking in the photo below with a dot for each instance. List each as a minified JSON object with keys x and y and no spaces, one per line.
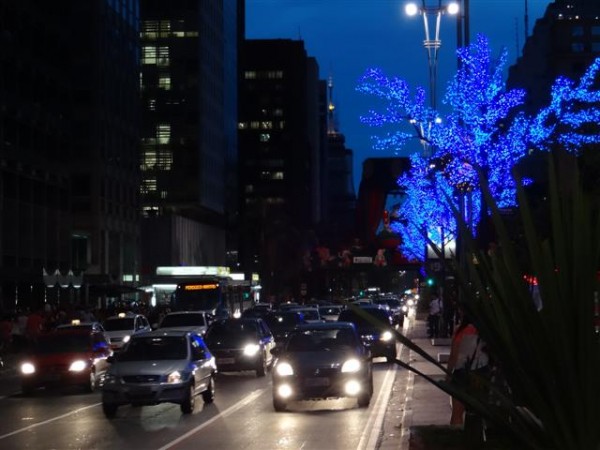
{"x":39,"y":424}
{"x":372,"y":431}
{"x":244,"y":402}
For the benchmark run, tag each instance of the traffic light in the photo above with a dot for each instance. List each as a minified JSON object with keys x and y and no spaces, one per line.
{"x":430,"y":281}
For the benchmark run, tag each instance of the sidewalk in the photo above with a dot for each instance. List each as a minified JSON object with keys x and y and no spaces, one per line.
{"x":415,"y":401}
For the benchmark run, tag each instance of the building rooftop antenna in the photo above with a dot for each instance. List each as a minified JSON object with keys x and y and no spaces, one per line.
{"x":331,"y":128}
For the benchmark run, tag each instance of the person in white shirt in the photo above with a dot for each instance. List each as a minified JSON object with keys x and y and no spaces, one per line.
{"x":433,"y":320}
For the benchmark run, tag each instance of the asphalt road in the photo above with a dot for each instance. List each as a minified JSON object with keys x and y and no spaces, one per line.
{"x":242,"y":417}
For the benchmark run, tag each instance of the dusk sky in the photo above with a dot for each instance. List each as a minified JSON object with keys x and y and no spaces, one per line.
{"x":347,"y":37}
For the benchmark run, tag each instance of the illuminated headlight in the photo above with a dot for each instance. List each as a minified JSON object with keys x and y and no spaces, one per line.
{"x":386,"y":336}
{"x":126,"y":339}
{"x":284,"y":391}
{"x":351,"y":366}
{"x":404,"y":308}
{"x":174,"y":377}
{"x":77,"y":366}
{"x":411,"y":302}
{"x":27,"y":368}
{"x":284,"y":369}
{"x":251,"y":349}
{"x":352,"y":387}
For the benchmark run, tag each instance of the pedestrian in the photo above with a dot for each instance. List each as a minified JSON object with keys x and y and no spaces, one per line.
{"x":468,"y":356}
{"x":435,"y":312}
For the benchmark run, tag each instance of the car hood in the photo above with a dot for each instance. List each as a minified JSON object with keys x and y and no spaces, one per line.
{"x":200,"y":329}
{"x":332,"y":359}
{"x":147,"y":367}
{"x":57,"y":358}
{"x":231,"y":342}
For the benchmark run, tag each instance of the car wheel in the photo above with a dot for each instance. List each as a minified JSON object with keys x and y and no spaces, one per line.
{"x":27,"y":389}
{"x":109,"y":409}
{"x":209,"y":394}
{"x":261,"y":369}
{"x":365,"y":398}
{"x":279,"y":405}
{"x":187,"y":407}
{"x":90,"y":386}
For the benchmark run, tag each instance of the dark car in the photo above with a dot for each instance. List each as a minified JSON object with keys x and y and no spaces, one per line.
{"x":160,"y":367}
{"x":241,"y":344}
{"x":281,"y":323}
{"x":374,"y":325}
{"x":65,"y":357}
{"x":396,"y":309}
{"x":320,"y":361}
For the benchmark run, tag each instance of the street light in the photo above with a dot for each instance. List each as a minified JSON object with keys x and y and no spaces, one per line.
{"x":432,"y":45}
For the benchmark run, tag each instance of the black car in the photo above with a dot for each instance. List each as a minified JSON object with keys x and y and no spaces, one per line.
{"x":282,"y":323}
{"x":320,"y":361}
{"x":375,"y":326}
{"x":395,"y":306}
{"x":241,"y":344}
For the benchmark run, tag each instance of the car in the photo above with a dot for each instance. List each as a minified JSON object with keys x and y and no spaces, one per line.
{"x":260,"y":310}
{"x":330,"y":313}
{"x":311,"y":314}
{"x":241,"y":344}
{"x":172,"y":366}
{"x":121,"y":327}
{"x":374,"y":325}
{"x":78,"y":324}
{"x":196,"y":321}
{"x":281,"y":323}
{"x":395,"y":308}
{"x":66,"y":357}
{"x":320,"y":361}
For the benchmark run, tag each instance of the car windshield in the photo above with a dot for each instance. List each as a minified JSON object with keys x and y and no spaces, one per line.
{"x":321,"y":340}
{"x":63,"y":343}
{"x":310,"y":314}
{"x":183,"y":320}
{"x":326,"y":310}
{"x":119,"y":324}
{"x":155,"y":348}
{"x":282,"y":320}
{"x":365,"y":318}
{"x":231,"y":330}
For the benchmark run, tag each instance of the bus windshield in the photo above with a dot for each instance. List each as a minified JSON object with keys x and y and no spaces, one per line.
{"x":197,"y":297}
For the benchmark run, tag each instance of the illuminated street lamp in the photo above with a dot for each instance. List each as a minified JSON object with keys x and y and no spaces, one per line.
{"x":432,"y":45}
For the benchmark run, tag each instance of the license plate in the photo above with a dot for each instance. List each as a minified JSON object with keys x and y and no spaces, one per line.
{"x":316,"y":382}
{"x":225,"y":361}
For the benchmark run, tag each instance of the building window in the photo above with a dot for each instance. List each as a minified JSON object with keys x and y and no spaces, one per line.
{"x":577,"y":47}
{"x":278,"y":112}
{"x":164,"y":82}
{"x":278,"y":175}
{"x":265,"y":137}
{"x":275,"y":200}
{"x":148,"y":55}
{"x":596,"y":46}
{"x":249,"y":189}
{"x":281,"y":124}
{"x":242,"y":126}
{"x":254,"y":125}
{"x":275,"y":74}
{"x":596,"y":30}
{"x":266,"y":125}
{"x":249,"y":75}
{"x":163,"y":133}
{"x":148,"y":185}
{"x":577,"y":30}
{"x":163,"y":57}
{"x":152,"y":104}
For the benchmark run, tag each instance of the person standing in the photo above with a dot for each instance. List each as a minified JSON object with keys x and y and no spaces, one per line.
{"x":433,"y":319}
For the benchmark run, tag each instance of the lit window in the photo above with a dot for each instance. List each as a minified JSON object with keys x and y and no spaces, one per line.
{"x":266,"y":125}
{"x":278,"y":112}
{"x":148,"y":185}
{"x":163,"y":57}
{"x":152,"y":104}
{"x":249,"y":189}
{"x":278,"y":175}
{"x":254,"y":125}
{"x":275,"y":200}
{"x":163,"y":194}
{"x":164,"y":82}
{"x":281,"y":124}
{"x":163,"y":133}
{"x":265,"y":137}
{"x":249,"y":75}
{"x":149,"y":55}
{"x":242,"y":126}
{"x":191,"y":34}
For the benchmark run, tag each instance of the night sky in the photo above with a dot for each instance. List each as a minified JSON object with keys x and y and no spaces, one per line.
{"x":347,"y":37}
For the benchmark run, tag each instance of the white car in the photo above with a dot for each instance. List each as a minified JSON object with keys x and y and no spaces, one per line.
{"x":196,"y":321}
{"x":121,"y":327}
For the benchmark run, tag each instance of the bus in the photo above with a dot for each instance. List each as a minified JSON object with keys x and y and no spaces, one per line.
{"x":216,"y":294}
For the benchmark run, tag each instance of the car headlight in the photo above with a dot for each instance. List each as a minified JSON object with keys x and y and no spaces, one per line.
{"x":174,"y":377}
{"x":411,"y":302}
{"x":77,"y":366}
{"x":351,"y":366}
{"x":251,"y":349}
{"x":404,"y":308}
{"x":386,"y":336}
{"x":27,"y":368}
{"x":126,"y":339}
{"x":284,"y":369}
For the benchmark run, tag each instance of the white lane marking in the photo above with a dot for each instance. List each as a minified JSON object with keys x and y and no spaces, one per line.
{"x":244,"y":402}
{"x":39,"y":424}
{"x":372,"y":430}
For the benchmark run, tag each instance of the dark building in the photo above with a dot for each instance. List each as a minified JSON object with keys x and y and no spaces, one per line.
{"x":68,"y":142}
{"x":189,"y":135}
{"x":564,"y":43}
{"x":280,"y":137}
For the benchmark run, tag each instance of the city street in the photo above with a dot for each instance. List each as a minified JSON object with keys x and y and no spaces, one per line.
{"x":242,"y":416}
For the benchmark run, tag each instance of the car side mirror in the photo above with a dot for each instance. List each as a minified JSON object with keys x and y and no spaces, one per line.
{"x":276,"y":351}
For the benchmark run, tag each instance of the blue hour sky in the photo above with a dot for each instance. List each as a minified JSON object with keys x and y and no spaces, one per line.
{"x":347,"y":37}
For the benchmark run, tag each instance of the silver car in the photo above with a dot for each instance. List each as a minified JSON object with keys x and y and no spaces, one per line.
{"x":160,"y":367}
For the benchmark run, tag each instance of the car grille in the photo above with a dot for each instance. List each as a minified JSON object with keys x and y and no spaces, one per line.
{"x":141,"y":378}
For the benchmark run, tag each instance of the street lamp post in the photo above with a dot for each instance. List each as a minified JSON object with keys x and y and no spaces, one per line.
{"x":432,"y":45}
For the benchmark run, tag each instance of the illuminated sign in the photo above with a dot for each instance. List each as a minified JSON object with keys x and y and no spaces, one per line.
{"x":200,"y":287}
{"x":192,"y":270}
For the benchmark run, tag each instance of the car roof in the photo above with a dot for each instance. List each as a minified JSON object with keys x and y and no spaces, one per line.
{"x":169,"y":332}
{"x":182,"y":313}
{"x":325,"y":326}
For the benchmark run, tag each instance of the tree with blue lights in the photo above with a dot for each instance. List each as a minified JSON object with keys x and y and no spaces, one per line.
{"x":483,"y":133}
